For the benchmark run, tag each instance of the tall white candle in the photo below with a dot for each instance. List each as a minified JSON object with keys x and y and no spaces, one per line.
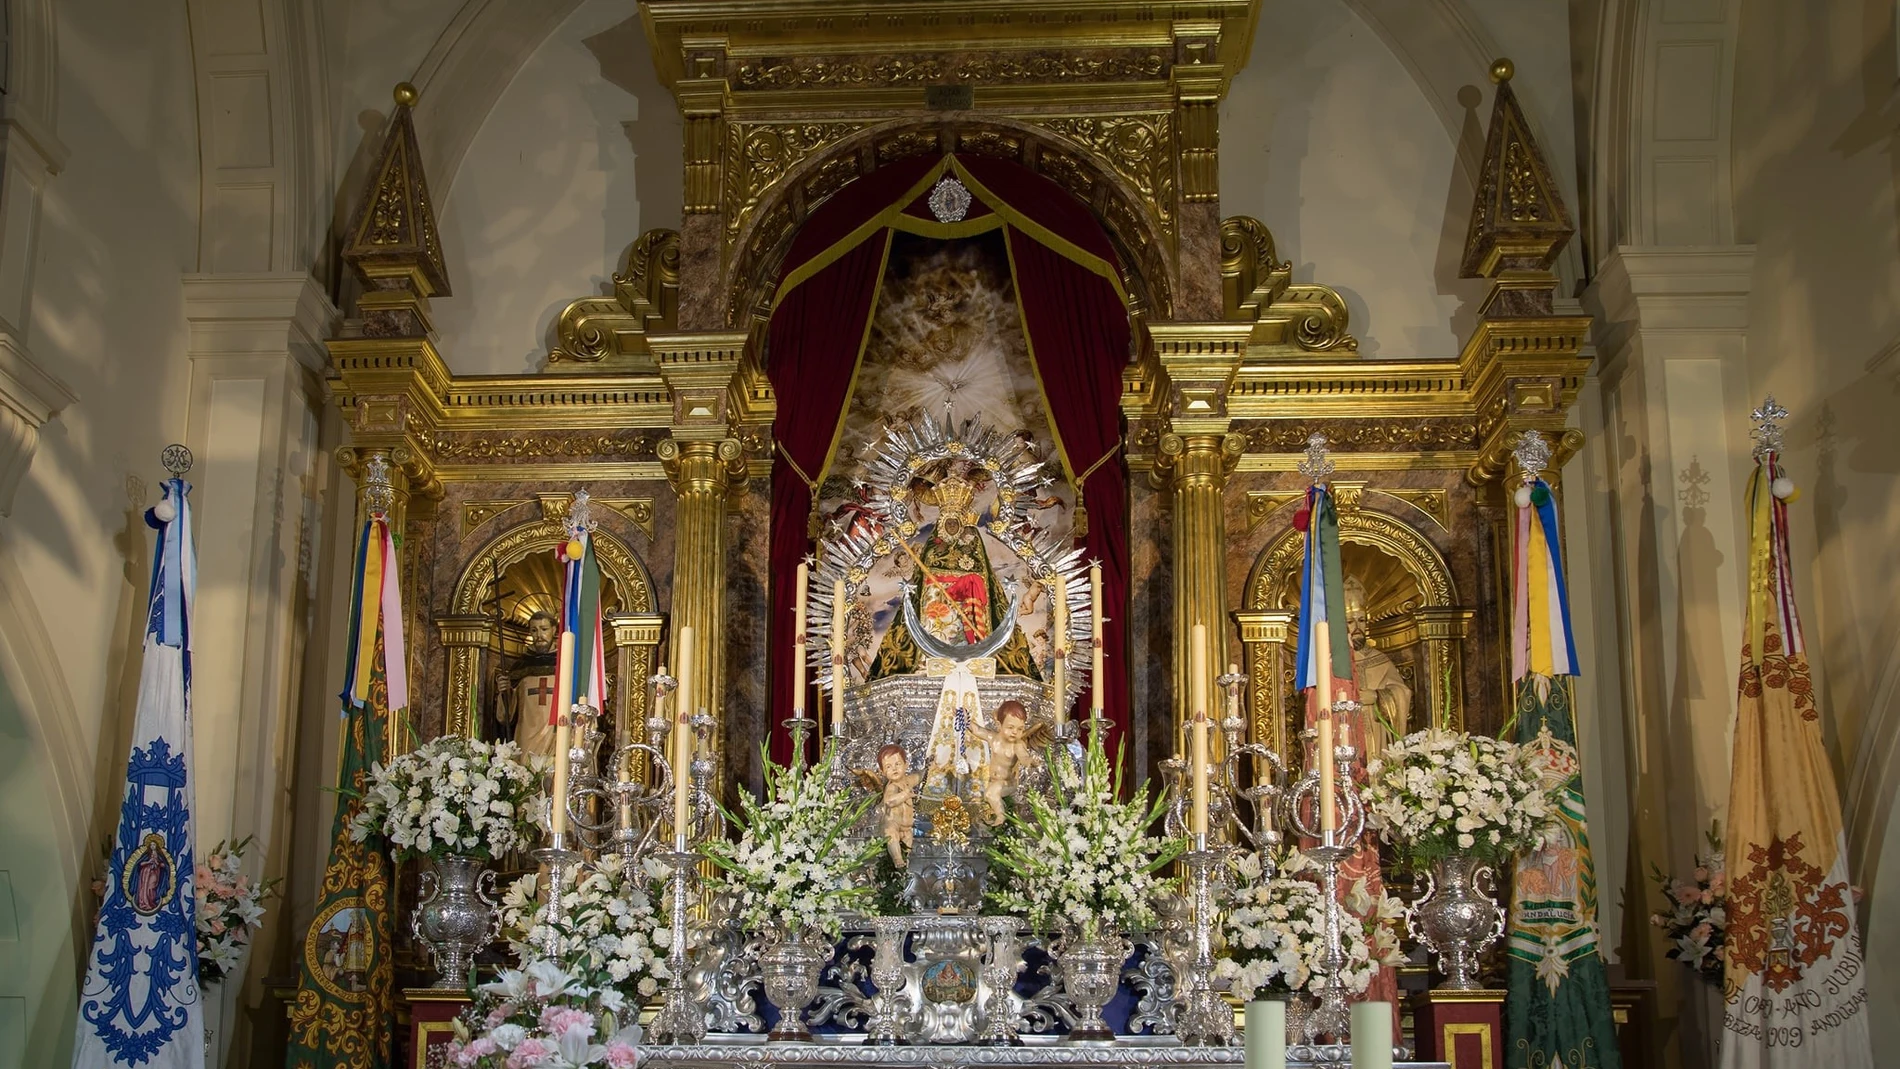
{"x":563,"y":702}
{"x":798,"y":642}
{"x":1098,"y":683}
{"x":1197,"y":663}
{"x":683,"y":739}
{"x":1328,"y":819}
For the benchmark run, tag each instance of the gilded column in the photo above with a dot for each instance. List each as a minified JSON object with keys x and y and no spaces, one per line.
{"x":1264,"y":634}
{"x":636,"y":638}
{"x":705,"y":475}
{"x":1193,"y":459}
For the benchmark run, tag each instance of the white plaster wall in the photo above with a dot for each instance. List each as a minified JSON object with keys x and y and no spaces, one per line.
{"x":1327,"y":139}
{"x":372,"y":45}
{"x":580,"y":154}
{"x":119,"y":225}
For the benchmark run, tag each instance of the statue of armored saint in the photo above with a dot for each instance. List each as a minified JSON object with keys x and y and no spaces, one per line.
{"x":1381,"y":687}
{"x":525,"y":694}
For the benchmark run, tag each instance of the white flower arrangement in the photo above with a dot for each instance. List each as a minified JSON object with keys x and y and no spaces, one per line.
{"x":606,"y":937}
{"x":1435,"y":792}
{"x":793,"y":868}
{"x":1081,"y":859}
{"x":545,"y":1016}
{"x":230,"y":909}
{"x":580,"y":976}
{"x":453,"y":795}
{"x":1276,"y":931}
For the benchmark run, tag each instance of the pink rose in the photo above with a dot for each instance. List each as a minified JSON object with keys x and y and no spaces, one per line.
{"x":499,"y":1015}
{"x":1702,"y":874}
{"x":1718,"y":883}
{"x":217,"y":927}
{"x":621,"y":1056}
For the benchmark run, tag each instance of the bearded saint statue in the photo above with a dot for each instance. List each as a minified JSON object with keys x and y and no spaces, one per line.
{"x":1381,"y":688}
{"x":526,"y":693}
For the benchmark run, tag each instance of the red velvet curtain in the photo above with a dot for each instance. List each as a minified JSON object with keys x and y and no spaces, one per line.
{"x":1078,"y":333}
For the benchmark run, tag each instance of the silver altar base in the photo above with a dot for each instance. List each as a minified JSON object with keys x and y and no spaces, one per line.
{"x":752,"y":1050}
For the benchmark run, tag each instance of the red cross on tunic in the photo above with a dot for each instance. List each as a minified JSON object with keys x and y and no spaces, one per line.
{"x":541,"y":692}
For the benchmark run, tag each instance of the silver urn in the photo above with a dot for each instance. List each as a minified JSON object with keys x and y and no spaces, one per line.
{"x":1091,"y":971}
{"x":789,"y":967}
{"x":1457,"y":919}
{"x":456,"y":915}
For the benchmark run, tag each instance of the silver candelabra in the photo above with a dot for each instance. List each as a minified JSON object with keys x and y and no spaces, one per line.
{"x":1333,"y":1016}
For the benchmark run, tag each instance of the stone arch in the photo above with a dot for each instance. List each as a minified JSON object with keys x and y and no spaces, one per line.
{"x":1146,"y":250}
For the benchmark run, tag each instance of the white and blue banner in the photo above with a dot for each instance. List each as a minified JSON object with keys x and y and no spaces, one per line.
{"x":141,"y":1004}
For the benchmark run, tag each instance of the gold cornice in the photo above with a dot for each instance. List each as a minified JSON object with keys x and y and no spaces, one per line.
{"x":566,"y":472}
{"x":1445,"y":460}
{"x":1346,"y":387}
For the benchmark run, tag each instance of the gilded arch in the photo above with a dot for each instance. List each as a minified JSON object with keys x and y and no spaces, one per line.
{"x":465,"y":630}
{"x":1437,"y":625}
{"x":1122,"y":167}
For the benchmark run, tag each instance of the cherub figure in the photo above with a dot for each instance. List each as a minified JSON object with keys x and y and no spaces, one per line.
{"x":1010,"y":756}
{"x":900,"y":801}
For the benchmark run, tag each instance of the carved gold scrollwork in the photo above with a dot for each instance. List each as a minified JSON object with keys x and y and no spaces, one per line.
{"x":1252,"y":274}
{"x":758,"y":154}
{"x":597,"y":331}
{"x":1320,"y":319}
{"x":1140,"y":148}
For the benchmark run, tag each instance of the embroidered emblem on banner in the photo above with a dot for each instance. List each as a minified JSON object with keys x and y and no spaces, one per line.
{"x":146,"y":929}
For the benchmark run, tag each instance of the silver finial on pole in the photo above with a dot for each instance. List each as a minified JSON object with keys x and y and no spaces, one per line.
{"x":1532,"y":453}
{"x":1317,"y":465}
{"x":176,"y":459}
{"x":379,"y":492}
{"x":1767,"y":432}
{"x":580,"y":516}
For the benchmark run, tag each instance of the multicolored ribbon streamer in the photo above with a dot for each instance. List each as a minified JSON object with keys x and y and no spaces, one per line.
{"x":1770,"y":579}
{"x":1322,"y":592}
{"x":580,"y":617}
{"x":376,"y":590}
{"x":1541,"y":639}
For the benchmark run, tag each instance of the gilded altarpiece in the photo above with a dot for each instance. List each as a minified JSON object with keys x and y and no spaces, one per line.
{"x":654,"y":397}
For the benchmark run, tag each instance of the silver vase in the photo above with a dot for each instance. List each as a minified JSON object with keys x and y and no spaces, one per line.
{"x":789,"y":967}
{"x":456,"y":916}
{"x":1091,"y":971}
{"x":1456,"y":919}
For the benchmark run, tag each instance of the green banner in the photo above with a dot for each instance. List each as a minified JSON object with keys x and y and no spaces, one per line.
{"x":1558,"y":1011}
{"x":344,"y":1014}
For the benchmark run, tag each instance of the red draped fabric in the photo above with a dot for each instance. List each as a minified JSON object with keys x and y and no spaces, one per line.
{"x":1078,"y":333}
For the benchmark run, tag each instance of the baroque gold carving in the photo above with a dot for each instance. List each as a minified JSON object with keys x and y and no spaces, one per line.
{"x":1266,"y":587}
{"x":834,"y":72}
{"x":758,"y":154}
{"x":1364,"y":435}
{"x":1140,"y":148}
{"x":617,"y":563}
{"x":1252,"y":274}
{"x":476,"y":513}
{"x":534,"y":446}
{"x":611,"y":331}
